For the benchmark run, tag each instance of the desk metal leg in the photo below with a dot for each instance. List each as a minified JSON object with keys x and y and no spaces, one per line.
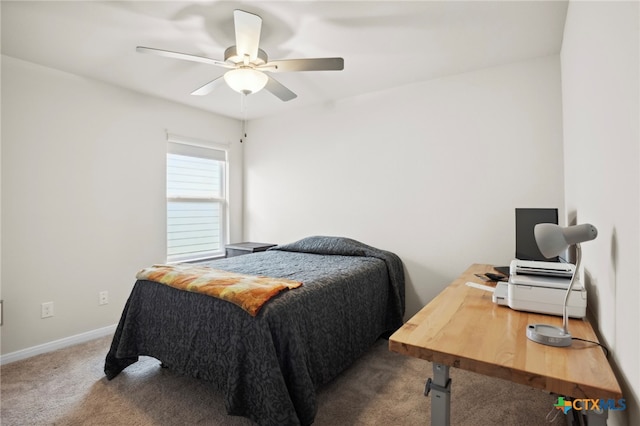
{"x":440,"y":387}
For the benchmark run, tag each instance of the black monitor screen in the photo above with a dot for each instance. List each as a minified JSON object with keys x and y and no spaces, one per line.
{"x":526,"y":220}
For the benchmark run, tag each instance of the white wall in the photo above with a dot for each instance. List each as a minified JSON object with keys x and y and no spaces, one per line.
{"x":600,"y":89}
{"x":431,"y":171}
{"x":83,"y":196}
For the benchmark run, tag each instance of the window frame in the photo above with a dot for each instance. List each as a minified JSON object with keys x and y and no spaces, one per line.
{"x":197,"y":148}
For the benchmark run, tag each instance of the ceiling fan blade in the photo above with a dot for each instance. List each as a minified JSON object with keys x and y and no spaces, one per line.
{"x":313,"y":64}
{"x":248,"y":27}
{"x":184,"y":56}
{"x":279,"y":90}
{"x":209,"y":87}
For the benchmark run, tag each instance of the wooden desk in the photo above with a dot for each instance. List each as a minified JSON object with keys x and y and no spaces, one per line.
{"x":463,"y":328}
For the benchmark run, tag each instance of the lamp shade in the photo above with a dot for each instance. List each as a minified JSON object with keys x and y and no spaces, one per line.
{"x":553,"y":239}
{"x":246,"y":80}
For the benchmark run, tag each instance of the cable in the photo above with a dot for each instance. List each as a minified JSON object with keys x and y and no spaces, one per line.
{"x":604,"y":348}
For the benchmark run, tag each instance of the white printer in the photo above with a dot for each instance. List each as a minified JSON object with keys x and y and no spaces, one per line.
{"x":541,"y":287}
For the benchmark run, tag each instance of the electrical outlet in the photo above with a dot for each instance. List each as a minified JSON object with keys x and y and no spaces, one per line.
{"x":103,"y":298}
{"x":47,"y":310}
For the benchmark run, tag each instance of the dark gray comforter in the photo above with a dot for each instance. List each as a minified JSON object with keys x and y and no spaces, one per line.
{"x":269,"y":366}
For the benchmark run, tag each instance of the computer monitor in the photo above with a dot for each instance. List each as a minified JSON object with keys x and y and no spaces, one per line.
{"x":526,"y":220}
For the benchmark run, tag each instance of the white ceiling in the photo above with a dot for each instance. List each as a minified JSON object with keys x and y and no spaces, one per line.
{"x":384,"y":44}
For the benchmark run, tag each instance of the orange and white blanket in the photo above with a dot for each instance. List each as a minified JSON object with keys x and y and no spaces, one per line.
{"x":250,"y":292}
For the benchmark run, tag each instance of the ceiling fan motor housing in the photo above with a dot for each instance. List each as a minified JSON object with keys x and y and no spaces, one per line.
{"x":231,"y":55}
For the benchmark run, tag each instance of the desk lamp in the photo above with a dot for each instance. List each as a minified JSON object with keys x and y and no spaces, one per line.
{"x":552,"y":240}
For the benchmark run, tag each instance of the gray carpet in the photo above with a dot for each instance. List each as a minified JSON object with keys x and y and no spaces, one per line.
{"x":68,"y":387}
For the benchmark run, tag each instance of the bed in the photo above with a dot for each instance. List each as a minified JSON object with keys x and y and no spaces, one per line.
{"x":269,"y":366}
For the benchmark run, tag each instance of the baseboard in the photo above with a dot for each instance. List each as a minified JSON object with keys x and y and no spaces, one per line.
{"x":57,"y":344}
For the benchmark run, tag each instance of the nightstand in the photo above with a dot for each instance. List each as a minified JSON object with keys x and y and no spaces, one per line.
{"x":238,"y":249}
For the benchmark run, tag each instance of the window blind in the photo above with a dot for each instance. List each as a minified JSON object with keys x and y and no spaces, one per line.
{"x":195,"y":202}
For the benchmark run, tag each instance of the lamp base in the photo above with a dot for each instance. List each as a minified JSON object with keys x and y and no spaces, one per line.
{"x":548,"y":335}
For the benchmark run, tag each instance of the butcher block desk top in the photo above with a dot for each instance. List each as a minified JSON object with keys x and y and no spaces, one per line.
{"x":463,"y":328}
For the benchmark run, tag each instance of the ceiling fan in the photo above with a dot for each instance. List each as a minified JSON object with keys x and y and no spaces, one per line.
{"x":248,"y":64}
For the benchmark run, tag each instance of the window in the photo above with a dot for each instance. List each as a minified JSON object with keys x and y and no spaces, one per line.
{"x":196,"y":202}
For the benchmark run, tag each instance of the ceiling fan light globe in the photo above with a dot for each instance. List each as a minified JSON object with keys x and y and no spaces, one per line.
{"x":246,"y":80}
